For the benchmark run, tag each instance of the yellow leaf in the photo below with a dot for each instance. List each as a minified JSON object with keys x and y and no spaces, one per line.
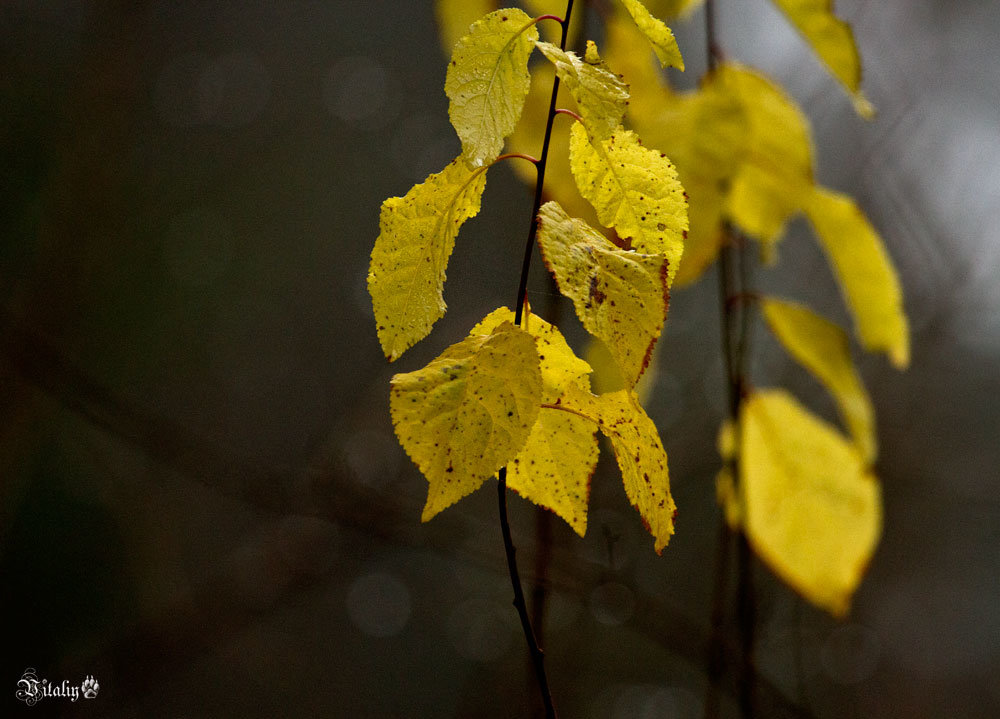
{"x":488,"y":81}
{"x":606,"y":377}
{"x":661,"y":37}
{"x":558,"y":365}
{"x":727,"y":496}
{"x":703,"y":133}
{"x":774,"y":179}
{"x":833,"y":41}
{"x":456,"y":16}
{"x":639,"y":452}
{"x":600,"y":95}
{"x":619,"y":295}
{"x":726,"y":491}
{"x":822,"y":348}
{"x":554,"y":468}
{"x":634,"y":189}
{"x":416,"y":236}
{"x":865,"y":271}
{"x":812,"y":511}
{"x":469,"y":412}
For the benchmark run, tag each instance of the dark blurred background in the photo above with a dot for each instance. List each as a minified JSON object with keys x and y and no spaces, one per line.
{"x":202,"y":502}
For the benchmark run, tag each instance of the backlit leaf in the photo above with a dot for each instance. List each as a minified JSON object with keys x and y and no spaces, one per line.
{"x":416,"y":237}
{"x":656,"y":31}
{"x":488,"y":81}
{"x":554,"y":468}
{"x":639,"y":452}
{"x":456,"y":16}
{"x":559,"y":367}
{"x":634,"y":189}
{"x":833,"y":41}
{"x":468,"y":412}
{"x":822,"y":348}
{"x":600,"y":94}
{"x":865,"y":272}
{"x":619,"y":295}
{"x":812,"y":511}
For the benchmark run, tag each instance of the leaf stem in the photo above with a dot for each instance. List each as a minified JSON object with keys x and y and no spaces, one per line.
{"x":550,"y":17}
{"x":518,"y":155}
{"x":564,"y":111}
{"x":537,"y":656}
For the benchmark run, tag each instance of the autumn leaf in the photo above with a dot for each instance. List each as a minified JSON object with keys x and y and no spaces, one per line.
{"x":554,"y":468}
{"x":469,"y":412}
{"x":811,"y":510}
{"x":416,"y":237}
{"x":865,"y":272}
{"x":600,"y":94}
{"x":822,"y":348}
{"x":833,"y":41}
{"x":658,"y":34}
{"x":775,"y":177}
{"x":619,"y":295}
{"x":638,"y":451}
{"x":634,"y":189}
{"x":488,"y":81}
{"x":702,"y":132}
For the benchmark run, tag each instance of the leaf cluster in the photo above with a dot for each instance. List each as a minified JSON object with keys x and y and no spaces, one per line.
{"x":513,"y":394}
{"x":734,"y":155}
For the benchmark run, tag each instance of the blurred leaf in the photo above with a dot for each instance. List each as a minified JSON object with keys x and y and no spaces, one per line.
{"x":822,"y":348}
{"x":833,"y":40}
{"x":865,"y":271}
{"x":812,"y":512}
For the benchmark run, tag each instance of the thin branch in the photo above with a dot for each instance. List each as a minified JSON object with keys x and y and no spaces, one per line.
{"x":734,"y":291}
{"x":537,"y":656}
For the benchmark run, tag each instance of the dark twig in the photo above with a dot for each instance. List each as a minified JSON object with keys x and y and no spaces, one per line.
{"x":537,"y":656}
{"x":736,"y":311}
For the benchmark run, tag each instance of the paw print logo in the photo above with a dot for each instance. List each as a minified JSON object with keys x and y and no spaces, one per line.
{"x":89,"y":687}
